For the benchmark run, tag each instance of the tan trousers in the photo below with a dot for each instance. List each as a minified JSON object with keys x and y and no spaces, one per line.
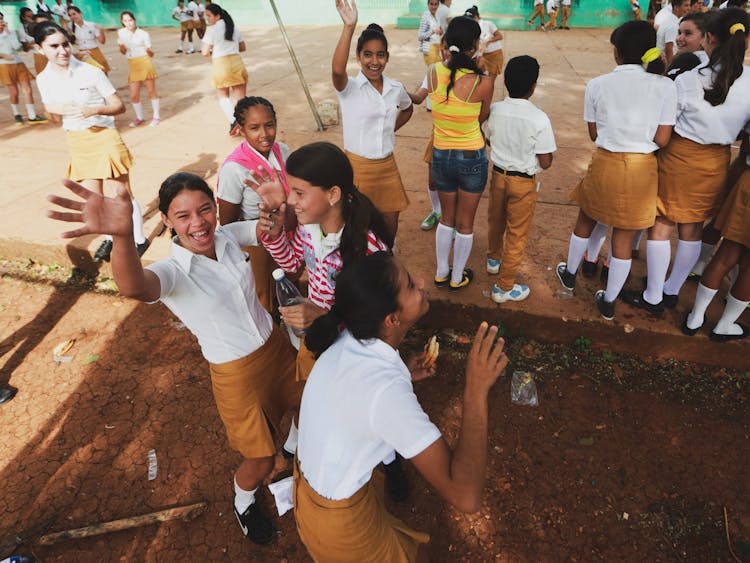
{"x":538,"y":13}
{"x":511,"y":208}
{"x":552,"y":23}
{"x":565,"y":16}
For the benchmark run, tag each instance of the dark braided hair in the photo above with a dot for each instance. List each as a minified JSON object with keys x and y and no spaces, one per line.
{"x":248,"y":102}
{"x":727,"y":57}
{"x":217,"y":10}
{"x":461,"y":37}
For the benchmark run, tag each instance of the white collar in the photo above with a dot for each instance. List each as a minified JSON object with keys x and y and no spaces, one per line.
{"x":184,"y":257}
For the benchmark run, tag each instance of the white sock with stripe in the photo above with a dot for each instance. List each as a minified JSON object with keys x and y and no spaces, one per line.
{"x":443,"y":244}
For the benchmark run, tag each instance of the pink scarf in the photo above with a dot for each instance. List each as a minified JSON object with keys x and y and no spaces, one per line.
{"x":250,"y":159}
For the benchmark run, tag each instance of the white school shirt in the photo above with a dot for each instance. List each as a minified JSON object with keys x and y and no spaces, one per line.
{"x":370,"y":117}
{"x":221,"y":47}
{"x":86,"y":35}
{"x":193,"y":7}
{"x":552,"y":5}
{"x":233,"y":189}
{"x":182,"y":14}
{"x":215,"y":299}
{"x":82,"y":84}
{"x":538,"y":2}
{"x":9,"y":45}
{"x":61,"y":11}
{"x":136,"y":42}
{"x":703,"y":123}
{"x":665,"y":11}
{"x":488,"y":30}
{"x":518,"y":131}
{"x":628,"y":105}
{"x":667,"y":32}
{"x":357,"y":408}
{"x":442,"y":14}
{"x":566,"y":2}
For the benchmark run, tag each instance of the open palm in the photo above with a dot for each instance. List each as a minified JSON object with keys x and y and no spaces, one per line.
{"x":348,"y":12}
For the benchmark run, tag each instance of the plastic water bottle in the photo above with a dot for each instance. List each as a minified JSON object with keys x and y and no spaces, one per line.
{"x":287,"y":294}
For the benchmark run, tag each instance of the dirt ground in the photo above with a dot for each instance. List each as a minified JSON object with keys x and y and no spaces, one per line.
{"x":623,"y":459}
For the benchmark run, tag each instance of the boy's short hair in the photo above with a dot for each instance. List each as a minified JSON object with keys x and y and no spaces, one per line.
{"x":521,"y":73}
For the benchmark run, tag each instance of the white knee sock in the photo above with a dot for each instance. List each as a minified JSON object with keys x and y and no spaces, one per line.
{"x":31,"y":111}
{"x":138,"y":109}
{"x":138,"y":235}
{"x":243,"y":498}
{"x":732,"y":311}
{"x":15,"y":109}
{"x":703,"y":298}
{"x":181,"y":45}
{"x":707,"y":251}
{"x":291,"y":440}
{"x":226,"y":106}
{"x":657,"y":263}
{"x":576,"y":249}
{"x":596,"y":241}
{"x":443,"y":244}
{"x":637,"y":240}
{"x":618,"y":274}
{"x":684,"y":260}
{"x":461,"y":252}
{"x":155,"y":107}
{"x":434,"y":200}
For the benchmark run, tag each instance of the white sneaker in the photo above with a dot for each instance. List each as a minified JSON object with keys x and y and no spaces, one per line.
{"x":493,"y":266}
{"x":518,"y":293}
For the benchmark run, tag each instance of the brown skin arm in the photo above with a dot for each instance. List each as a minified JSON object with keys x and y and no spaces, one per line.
{"x":663,"y":134}
{"x":229,"y":212}
{"x":403,"y":116}
{"x":545,"y":160}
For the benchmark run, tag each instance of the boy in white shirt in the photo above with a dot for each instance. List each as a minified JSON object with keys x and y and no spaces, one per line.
{"x":666,"y":34}
{"x":565,"y":21}
{"x":522,"y":142}
{"x":538,"y":13}
{"x":552,"y":10}
{"x":185,"y":16}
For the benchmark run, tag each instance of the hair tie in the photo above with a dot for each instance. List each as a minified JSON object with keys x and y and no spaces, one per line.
{"x":454,"y":49}
{"x":651,"y":55}
{"x":735,"y":28}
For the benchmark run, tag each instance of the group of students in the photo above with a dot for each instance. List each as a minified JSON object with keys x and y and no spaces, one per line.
{"x":553,"y":9}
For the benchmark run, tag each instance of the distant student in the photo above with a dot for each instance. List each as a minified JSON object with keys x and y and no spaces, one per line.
{"x":666,"y":35}
{"x":88,"y":36}
{"x":60,"y":9}
{"x":636,"y":7}
{"x":443,"y":14}
{"x":565,"y":21}
{"x":185,"y":17}
{"x":490,"y":44}
{"x":538,"y":13}
{"x":135,"y":44}
{"x":522,"y":142}
{"x":552,"y":11}
{"x":662,"y":14}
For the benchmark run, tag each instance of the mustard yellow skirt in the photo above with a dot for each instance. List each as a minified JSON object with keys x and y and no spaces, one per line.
{"x":40,"y":62}
{"x":14,"y":74}
{"x":229,"y":71}
{"x":619,"y":189}
{"x":97,"y":153}
{"x":433,"y":56}
{"x":98,"y":56}
{"x":140,"y":69}
{"x":692,"y":180}
{"x":305,"y":362}
{"x":733,"y":219}
{"x":380,"y":181}
{"x":186,"y":26}
{"x":254,"y":392}
{"x":355,"y":529}
{"x":492,"y":62}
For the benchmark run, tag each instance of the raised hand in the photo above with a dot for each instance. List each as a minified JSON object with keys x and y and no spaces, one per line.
{"x":269,"y":188}
{"x":486,"y":359}
{"x":271,"y":221}
{"x":99,"y":214}
{"x":348,"y":12}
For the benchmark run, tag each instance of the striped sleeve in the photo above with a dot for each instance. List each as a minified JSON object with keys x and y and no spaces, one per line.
{"x":374,"y":244}
{"x":286,"y":253}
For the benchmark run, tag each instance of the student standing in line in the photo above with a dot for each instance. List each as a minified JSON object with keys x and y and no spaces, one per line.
{"x":430,"y":34}
{"x":552,"y":12}
{"x":538,"y":13}
{"x":359,"y":406}
{"x":443,"y":14}
{"x":135,"y":44}
{"x":620,"y":186}
{"x":208,"y":285}
{"x":181,"y":14}
{"x":14,"y":74}
{"x":713,"y":109}
{"x":87,"y":102}
{"x":373,"y":108}
{"x":223,"y":43}
{"x":490,"y":45}
{"x":522,"y":142}
{"x":565,"y":18}
{"x":200,"y":25}
{"x":88,"y":34}
{"x":666,"y":35}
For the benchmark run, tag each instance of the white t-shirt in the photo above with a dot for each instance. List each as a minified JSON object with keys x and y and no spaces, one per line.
{"x":552,"y":5}
{"x":181,"y":14}
{"x":61,"y":11}
{"x":667,"y":32}
{"x":9,"y":45}
{"x":233,"y":189}
{"x":193,"y":7}
{"x":81,"y":85}
{"x":137,"y":42}
{"x":221,"y":47}
{"x":628,"y":105}
{"x":370,"y":117}
{"x":488,"y":30}
{"x":86,"y":35}
{"x":442,"y":14}
{"x":518,"y":131}
{"x":216,"y":299}
{"x":357,"y":408}
{"x":665,"y":11}
{"x":703,"y":123}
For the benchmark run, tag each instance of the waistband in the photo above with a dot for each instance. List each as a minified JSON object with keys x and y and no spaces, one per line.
{"x":466,"y":154}
{"x":511,"y":172}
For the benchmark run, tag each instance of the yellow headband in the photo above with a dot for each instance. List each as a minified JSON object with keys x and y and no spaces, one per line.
{"x":735,"y":28}
{"x":651,"y":55}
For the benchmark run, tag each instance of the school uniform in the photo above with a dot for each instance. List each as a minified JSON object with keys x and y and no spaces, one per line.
{"x":538,"y":12}
{"x":231,"y":187}
{"x":662,"y":15}
{"x":183,"y":16}
{"x":517,"y":131}
{"x":565,"y":21}
{"x":61,"y":11}
{"x":733,"y":219}
{"x":86,"y":40}
{"x":621,"y":184}
{"x":12,"y":71}
{"x":667,"y":32}
{"x":96,"y":148}
{"x":552,"y":11}
{"x":357,"y":409}
{"x":228,"y":68}
{"x":195,"y":11}
{"x":251,"y":362}
{"x":693,"y":166}
{"x":369,"y":120}
{"x":137,"y":43}
{"x":492,"y":57}
{"x":429,"y":41}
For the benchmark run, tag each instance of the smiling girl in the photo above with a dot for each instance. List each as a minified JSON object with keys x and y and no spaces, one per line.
{"x":690,"y":36}
{"x":88,"y":34}
{"x":373,"y":108}
{"x":208,"y":285}
{"x":135,"y":44}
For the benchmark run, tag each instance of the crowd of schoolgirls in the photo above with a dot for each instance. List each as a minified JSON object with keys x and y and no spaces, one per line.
{"x":333,"y":215}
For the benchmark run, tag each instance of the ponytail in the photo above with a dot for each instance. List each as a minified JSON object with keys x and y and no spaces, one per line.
{"x":461,"y":37}
{"x":360,"y":217}
{"x":217,"y":10}
{"x":366,"y":293}
{"x":730,"y":28}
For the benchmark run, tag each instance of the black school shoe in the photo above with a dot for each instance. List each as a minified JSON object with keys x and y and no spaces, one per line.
{"x":396,"y":482}
{"x":588,"y":269}
{"x":104,"y":251}
{"x":716,"y":337}
{"x":567,"y":280}
{"x":606,"y":308}
{"x":686,"y":330}
{"x":635,"y":299}
{"x":255,"y":525}
{"x":669,"y":301}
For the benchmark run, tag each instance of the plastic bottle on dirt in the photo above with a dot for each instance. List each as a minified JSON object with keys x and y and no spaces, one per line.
{"x":287,"y":294}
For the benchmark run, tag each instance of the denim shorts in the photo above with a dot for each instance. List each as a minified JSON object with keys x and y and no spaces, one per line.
{"x":456,"y":169}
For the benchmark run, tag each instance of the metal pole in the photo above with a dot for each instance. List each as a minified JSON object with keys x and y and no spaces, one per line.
{"x":297,"y":67}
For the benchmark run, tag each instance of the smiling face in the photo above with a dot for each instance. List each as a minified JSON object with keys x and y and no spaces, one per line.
{"x":57,"y":49}
{"x":192,"y":215}
{"x":76,"y":16}
{"x":312,"y":204}
{"x":432,"y":6}
{"x":128,"y":21}
{"x":372,"y":58}
{"x":689,"y":38}
{"x":259,"y":129}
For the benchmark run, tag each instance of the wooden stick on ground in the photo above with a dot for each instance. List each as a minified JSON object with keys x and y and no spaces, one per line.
{"x":729,"y":541}
{"x":186,"y":513}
